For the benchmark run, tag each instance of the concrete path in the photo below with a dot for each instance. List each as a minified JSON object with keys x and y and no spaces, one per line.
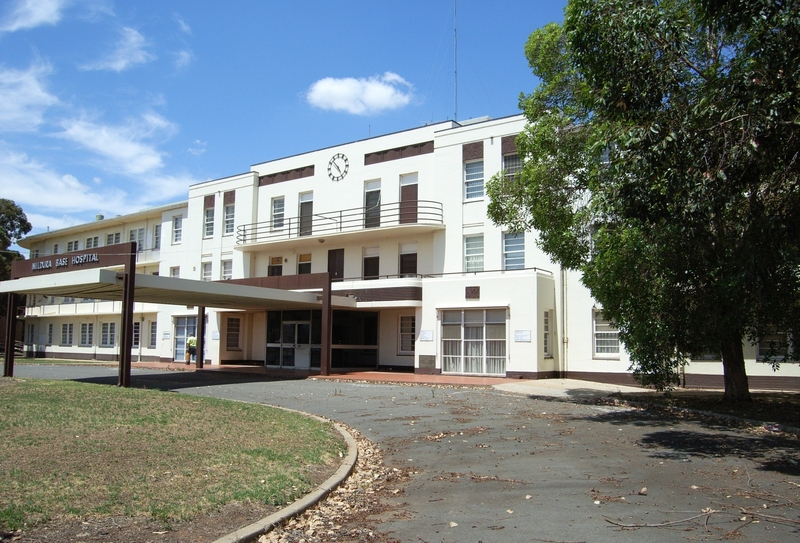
{"x":491,"y":465}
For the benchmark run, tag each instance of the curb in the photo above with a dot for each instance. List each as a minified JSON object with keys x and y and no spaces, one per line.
{"x":251,"y":532}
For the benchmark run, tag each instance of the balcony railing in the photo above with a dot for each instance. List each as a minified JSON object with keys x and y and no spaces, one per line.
{"x":417,"y":212}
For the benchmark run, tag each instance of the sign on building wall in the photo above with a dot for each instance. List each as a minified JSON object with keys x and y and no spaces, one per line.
{"x":98,"y":257}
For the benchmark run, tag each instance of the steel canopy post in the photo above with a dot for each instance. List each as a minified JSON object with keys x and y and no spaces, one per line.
{"x":11,"y":327}
{"x":201,"y":336}
{"x":126,"y":337}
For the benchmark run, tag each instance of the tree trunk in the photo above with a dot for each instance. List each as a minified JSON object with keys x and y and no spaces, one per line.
{"x":736,"y":387}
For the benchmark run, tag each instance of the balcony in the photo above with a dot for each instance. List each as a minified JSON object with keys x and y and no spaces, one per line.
{"x":360,"y":223}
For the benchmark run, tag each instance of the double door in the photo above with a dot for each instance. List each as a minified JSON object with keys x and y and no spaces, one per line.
{"x":296,"y":344}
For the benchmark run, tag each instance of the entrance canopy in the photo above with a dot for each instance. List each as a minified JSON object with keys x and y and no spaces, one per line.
{"x":105,"y":284}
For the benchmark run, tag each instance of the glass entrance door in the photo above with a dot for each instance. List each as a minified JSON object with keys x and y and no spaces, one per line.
{"x":296,"y":344}
{"x":183,"y":327}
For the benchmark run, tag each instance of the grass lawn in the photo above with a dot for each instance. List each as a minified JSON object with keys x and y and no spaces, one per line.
{"x":76,"y":450}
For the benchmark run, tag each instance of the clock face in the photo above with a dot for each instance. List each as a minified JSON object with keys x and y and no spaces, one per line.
{"x":338,"y":166}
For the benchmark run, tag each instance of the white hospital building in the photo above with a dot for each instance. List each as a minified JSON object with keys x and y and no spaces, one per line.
{"x":421,"y":280}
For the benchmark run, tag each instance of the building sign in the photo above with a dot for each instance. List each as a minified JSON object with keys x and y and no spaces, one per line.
{"x":99,"y":257}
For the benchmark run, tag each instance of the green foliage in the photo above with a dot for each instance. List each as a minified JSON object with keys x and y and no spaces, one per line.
{"x":13,"y":226}
{"x":661,"y":161}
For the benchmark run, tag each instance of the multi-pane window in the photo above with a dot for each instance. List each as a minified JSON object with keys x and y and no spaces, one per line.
{"x":137,"y":235}
{"x":473,"y":179}
{"x":137,"y":334}
{"x":29,"y":335}
{"x":407,"y":334}
{"x":228,"y":219}
{"x":512,"y":165}
{"x":113,"y":239}
{"x":92,"y":242}
{"x":775,"y":346}
{"x":34,"y":253}
{"x":55,"y":248}
{"x":72,"y":246}
{"x":208,"y":229}
{"x":408,"y":259}
{"x":474,"y":341}
{"x":547,"y":337}
{"x":157,"y":237}
{"x":87,"y":333}
{"x":275,"y":267}
{"x":606,"y":337}
{"x":227,"y":269}
{"x":175,"y":271}
{"x":473,"y":253}
{"x":304,"y":264}
{"x":153,"y":334}
{"x":207,"y":271}
{"x":108,"y":333}
{"x":232,"y":333}
{"x":66,"y":334}
{"x":50,"y":334}
{"x":513,"y":251}
{"x":371,"y":262}
{"x":277,"y":213}
{"x":177,"y":229}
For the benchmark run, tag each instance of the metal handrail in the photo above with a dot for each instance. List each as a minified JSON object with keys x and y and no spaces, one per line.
{"x":424,"y":212}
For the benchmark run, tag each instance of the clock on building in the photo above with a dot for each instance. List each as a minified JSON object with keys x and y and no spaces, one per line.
{"x":338,"y":166}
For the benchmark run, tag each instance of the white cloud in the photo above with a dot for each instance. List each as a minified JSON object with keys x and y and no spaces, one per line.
{"x":361,"y":96}
{"x":130,"y":50}
{"x":32,"y":13}
{"x":199,"y":148}
{"x":121,"y":148}
{"x":33,"y":184}
{"x":185,"y":28}
{"x":183,"y":59}
{"x":23,"y":97}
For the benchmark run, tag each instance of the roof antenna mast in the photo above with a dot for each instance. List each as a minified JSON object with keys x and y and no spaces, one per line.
{"x":455,"y":65}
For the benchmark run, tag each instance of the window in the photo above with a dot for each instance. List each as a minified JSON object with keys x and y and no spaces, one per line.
{"x":407,"y":334}
{"x":29,"y":335}
{"x":473,"y":180}
{"x":137,"y":235}
{"x":227,"y":269}
{"x":206,"y":271}
{"x":372,"y":204}
{"x":547,"y":338}
{"x":66,"y":334}
{"x":92,"y":242}
{"x":208,"y":230}
{"x":371,"y":262}
{"x":513,"y":251}
{"x":177,"y":229}
{"x":175,"y":271}
{"x":72,"y":246}
{"x":512,"y":165}
{"x":306,"y":213}
{"x":232,"y":334}
{"x":50,"y":334}
{"x":304,"y":264}
{"x":87,"y":333}
{"x":113,"y":239}
{"x":229,"y":215}
{"x":474,"y":341}
{"x":408,"y":259}
{"x":153,"y":334}
{"x":108,"y":332}
{"x":157,"y":237}
{"x":277,"y":213}
{"x":473,"y":253}
{"x":275,"y":267}
{"x":34,"y":253}
{"x":55,"y":248}
{"x":137,"y":334}
{"x":606,"y":337}
{"x":775,"y":346}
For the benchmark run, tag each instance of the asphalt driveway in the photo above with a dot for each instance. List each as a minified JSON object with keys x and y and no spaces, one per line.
{"x":492,"y":465}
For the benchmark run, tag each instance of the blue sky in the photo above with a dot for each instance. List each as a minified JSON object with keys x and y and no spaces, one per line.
{"x":112,"y":107}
